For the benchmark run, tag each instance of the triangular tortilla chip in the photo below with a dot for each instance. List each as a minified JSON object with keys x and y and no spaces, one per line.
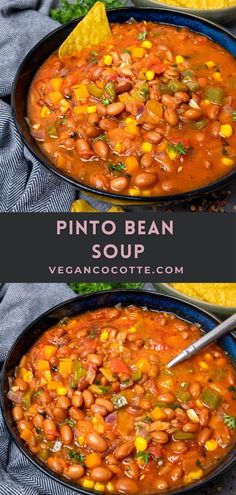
{"x":92,"y":30}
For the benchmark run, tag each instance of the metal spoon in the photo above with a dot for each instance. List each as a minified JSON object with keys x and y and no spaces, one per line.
{"x":209,"y":337}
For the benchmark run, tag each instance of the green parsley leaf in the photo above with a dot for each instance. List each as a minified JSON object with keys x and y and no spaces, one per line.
{"x":101,"y":137}
{"x":38,"y":393}
{"x":70,"y":422}
{"x":126,"y":51}
{"x":116,"y":167}
{"x":68,"y":11}
{"x":76,"y":456}
{"x":230,"y":421}
{"x":179,"y":148}
{"x":143,"y":456}
{"x":142,"y":36}
{"x":106,"y":101}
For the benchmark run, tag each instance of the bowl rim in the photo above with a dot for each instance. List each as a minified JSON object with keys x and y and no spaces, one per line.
{"x":189,"y":9}
{"x":225,"y":464}
{"x":211,"y":306}
{"x":106,"y":195}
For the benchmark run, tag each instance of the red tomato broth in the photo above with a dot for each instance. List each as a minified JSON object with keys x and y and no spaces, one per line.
{"x":94,"y":400}
{"x":173,"y":140}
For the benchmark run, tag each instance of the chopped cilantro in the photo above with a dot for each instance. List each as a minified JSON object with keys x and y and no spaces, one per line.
{"x":76,"y":456}
{"x":38,"y":393}
{"x":126,"y":51}
{"x":147,"y":419}
{"x":142,"y":36}
{"x":70,"y":422}
{"x":68,"y":11}
{"x":230,"y":421}
{"x":143,"y":456}
{"x":116,"y":167}
{"x":179,"y":148}
{"x":106,"y":101}
{"x":102,"y":137}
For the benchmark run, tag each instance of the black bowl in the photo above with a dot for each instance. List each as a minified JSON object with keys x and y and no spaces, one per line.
{"x":151,"y":300}
{"x":52,"y":41}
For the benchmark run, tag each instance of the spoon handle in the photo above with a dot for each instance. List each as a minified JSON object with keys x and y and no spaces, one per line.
{"x":216,"y":333}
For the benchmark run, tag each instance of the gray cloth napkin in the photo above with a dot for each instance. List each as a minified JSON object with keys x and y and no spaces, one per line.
{"x":19,"y":305}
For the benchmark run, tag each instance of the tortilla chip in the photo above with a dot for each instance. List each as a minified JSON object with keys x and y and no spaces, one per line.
{"x":92,"y":30}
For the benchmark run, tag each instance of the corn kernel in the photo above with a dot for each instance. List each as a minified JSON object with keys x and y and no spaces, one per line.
{"x":146,"y":192}
{"x":110,"y":487}
{"x":211,"y":445}
{"x":64,"y":103}
{"x":61,"y":390}
{"x":150,"y":74}
{"x":226,"y":130}
{"x":203,"y":365}
{"x":104,"y":336}
{"x":48,"y":375}
{"x":172,"y":154}
{"x":140,"y":444}
{"x":91,"y":109}
{"x":44,"y":112}
{"x":208,"y":356}
{"x":179,"y":59}
{"x":88,"y":483}
{"x":227,"y":161}
{"x":146,"y":44}
{"x":158,"y":413}
{"x":143,"y":365}
{"x":142,"y":477}
{"x":132,"y":330}
{"x":198,"y":403}
{"x":131,"y":121}
{"x":81,"y":439}
{"x":134,"y":192}
{"x":146,"y":147}
{"x":210,"y":64}
{"x":193,"y":475}
{"x":28,"y":376}
{"x":206,"y":102}
{"x":99,"y":487}
{"x":118,"y":147}
{"x":107,"y":59}
{"x":217,"y":76}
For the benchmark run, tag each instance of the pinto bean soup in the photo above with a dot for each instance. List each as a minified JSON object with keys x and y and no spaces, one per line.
{"x":152,"y":113}
{"x":95,"y":402}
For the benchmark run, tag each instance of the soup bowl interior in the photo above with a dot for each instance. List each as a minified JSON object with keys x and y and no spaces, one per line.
{"x":53,"y":40}
{"x":80,"y":304}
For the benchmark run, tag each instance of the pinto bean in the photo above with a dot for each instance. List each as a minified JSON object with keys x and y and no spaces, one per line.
{"x":100,"y":181}
{"x":170,"y":414}
{"x":160,"y":437}
{"x":161,"y":484}
{"x":96,"y":442}
{"x":167,"y":397}
{"x":74,"y":472}
{"x":181,"y":97}
{"x":171,"y":117}
{"x":108,"y":124}
{"x":119,"y":184}
{"x":88,"y":398}
{"x":95,"y":359}
{"x":101,"y":474}
{"x":83,"y":148}
{"x":123,"y":86}
{"x":50,"y":429}
{"x":23,"y":386}
{"x":93,"y":119}
{"x":101,"y":149}
{"x":77,"y":399}
{"x":169,"y":101}
{"x":59,"y":414}
{"x":38,"y":421}
{"x":124,"y":450}
{"x":132,"y":469}
{"x":56,"y":464}
{"x":76,"y":413}
{"x":176,"y":473}
{"x":195,"y":389}
{"x":154,"y":371}
{"x":115,"y":108}
{"x":96,"y":72}
{"x":111,"y":459}
{"x":191,"y":427}
{"x":204,"y":435}
{"x":181,"y":415}
{"x":92,"y":132}
{"x":153,"y":137}
{"x":105,"y":403}
{"x":101,"y":109}
{"x":179,"y":447}
{"x":146,"y":160}
{"x":138,"y":389}
{"x":17,"y":413}
{"x":144,"y":180}
{"x":204,"y":416}
{"x":66,"y":434}
{"x":212,"y":111}
{"x":126,"y":485}
{"x":192,"y":114}
{"x":96,"y":409}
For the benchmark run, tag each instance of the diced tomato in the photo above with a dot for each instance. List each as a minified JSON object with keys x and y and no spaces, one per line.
{"x":119,"y":366}
{"x":180,"y":140}
{"x":159,"y":68}
{"x":155,"y":450}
